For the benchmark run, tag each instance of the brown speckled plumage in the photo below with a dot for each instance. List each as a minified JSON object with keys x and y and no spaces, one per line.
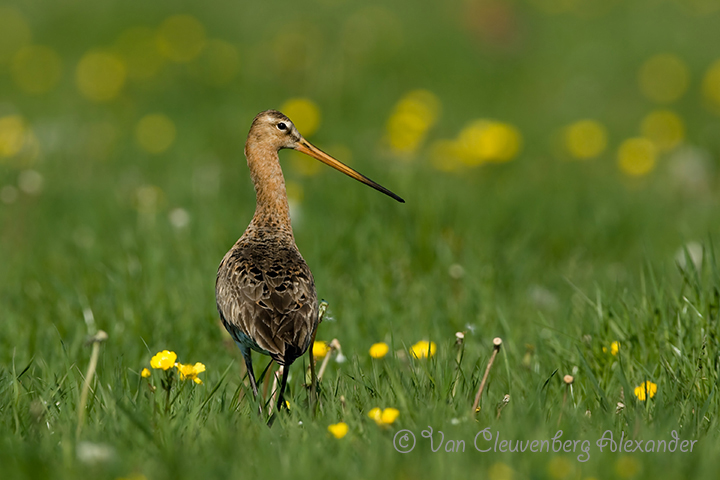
{"x":264,"y":290}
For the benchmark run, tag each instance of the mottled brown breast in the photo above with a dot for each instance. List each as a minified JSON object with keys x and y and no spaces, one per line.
{"x":266,"y":292}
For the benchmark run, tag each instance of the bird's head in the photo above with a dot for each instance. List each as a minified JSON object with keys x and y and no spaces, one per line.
{"x":273,"y":130}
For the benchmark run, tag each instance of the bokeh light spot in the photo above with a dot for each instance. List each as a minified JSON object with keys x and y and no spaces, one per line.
{"x":304,"y":113}
{"x":12,"y":135}
{"x":489,"y":141}
{"x":155,"y":133}
{"x":500,"y":471}
{"x":100,"y":76}
{"x":14,"y":32}
{"x":585,"y":139}
{"x":637,"y":156}
{"x":664,"y":128}
{"x":711,"y":86}
{"x":218,"y":64}
{"x":663,"y":78}
{"x":411,"y":119}
{"x":138,"y":48}
{"x":36,"y":69}
{"x":181,"y":38}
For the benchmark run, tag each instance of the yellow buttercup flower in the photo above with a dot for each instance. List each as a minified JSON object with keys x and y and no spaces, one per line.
{"x":423,"y":349}
{"x":338,"y":430}
{"x":389,"y":415}
{"x":379,"y":350}
{"x":649,"y":387}
{"x":615,"y":348}
{"x":384,"y":417}
{"x":163,"y":360}
{"x":320,"y":349}
{"x":145,"y":373}
{"x":190,"y":372}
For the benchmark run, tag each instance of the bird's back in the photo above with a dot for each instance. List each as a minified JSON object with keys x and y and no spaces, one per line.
{"x":266,"y":296}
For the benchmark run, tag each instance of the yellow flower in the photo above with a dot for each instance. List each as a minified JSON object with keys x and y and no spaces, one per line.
{"x":664,"y":78}
{"x":637,"y":156}
{"x":410,"y":121}
{"x":389,"y":415}
{"x":190,"y":372}
{"x":320,"y":349}
{"x":423,"y":349}
{"x":379,"y":350}
{"x":145,"y":373}
{"x":615,"y":347}
{"x":649,"y":386}
{"x":338,"y":430}
{"x":585,"y":139}
{"x":664,"y":128}
{"x":164,"y":360}
{"x":384,"y":417}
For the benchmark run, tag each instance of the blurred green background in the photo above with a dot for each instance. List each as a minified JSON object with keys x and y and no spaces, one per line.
{"x":557,"y":158}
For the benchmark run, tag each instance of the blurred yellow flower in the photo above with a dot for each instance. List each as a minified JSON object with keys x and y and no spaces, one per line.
{"x":384,"y":417}
{"x":500,"y":471}
{"x":155,"y":133}
{"x":338,"y":430}
{"x":585,"y":139}
{"x":711,"y":86}
{"x":145,"y":373}
{"x":181,"y":38}
{"x":664,"y":128}
{"x":411,"y":119}
{"x":14,"y":32}
{"x":423,"y":349}
{"x":559,"y":468}
{"x":100,"y":76}
{"x":304,"y":113}
{"x":12,"y":135}
{"x":320,"y":349}
{"x":627,"y":466}
{"x":379,"y":350}
{"x":614,"y":347}
{"x":663,"y":78}
{"x":389,"y":415}
{"x":637,"y":156}
{"x":190,"y":372}
{"x":138,"y":48}
{"x":488,"y":141}
{"x":648,"y":386}
{"x":36,"y":69}
{"x":163,"y":360}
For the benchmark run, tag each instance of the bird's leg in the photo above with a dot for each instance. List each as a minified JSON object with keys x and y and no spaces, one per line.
{"x":251,"y":374}
{"x":281,"y":398}
{"x":313,"y":377}
{"x":248,"y":364}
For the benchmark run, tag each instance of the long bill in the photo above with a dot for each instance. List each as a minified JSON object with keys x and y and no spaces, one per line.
{"x":309,"y":149}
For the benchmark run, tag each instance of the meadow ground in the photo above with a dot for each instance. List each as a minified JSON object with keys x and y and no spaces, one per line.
{"x":559,"y":165}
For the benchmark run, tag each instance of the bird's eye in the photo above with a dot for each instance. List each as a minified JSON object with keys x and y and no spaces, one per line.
{"x":281,"y":126}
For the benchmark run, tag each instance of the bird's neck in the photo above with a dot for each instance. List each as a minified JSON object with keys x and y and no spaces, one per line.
{"x":271,"y":210}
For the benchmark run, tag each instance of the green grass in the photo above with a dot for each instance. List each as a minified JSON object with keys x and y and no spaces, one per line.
{"x":559,"y":258}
